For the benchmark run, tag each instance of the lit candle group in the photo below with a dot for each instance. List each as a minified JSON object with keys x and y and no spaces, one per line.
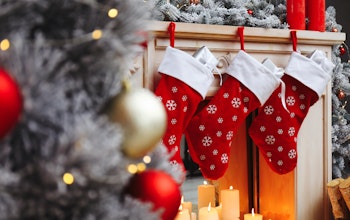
{"x":185,"y":211}
{"x":229,"y":208}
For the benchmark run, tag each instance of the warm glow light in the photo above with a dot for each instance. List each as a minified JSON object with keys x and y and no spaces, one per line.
{"x":205,"y":182}
{"x":113,"y":12}
{"x":68,"y":178}
{"x":209,"y":206}
{"x":132,"y":168}
{"x":231,"y":187}
{"x":96,"y":34}
{"x":147,"y":159}
{"x":5,"y":44}
{"x":141,"y":167}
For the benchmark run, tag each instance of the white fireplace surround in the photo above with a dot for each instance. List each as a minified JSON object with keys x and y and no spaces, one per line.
{"x":301,"y":194}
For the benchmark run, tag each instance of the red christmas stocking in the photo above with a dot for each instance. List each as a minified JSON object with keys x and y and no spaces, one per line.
{"x":276,"y":127}
{"x":183,"y":85}
{"x":209,"y":133}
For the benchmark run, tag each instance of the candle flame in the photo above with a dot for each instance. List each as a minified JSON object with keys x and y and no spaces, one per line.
{"x":253,"y":212}
{"x":209,"y":206}
{"x":231,"y":187}
{"x":180,"y":207}
{"x":205,"y":182}
{"x":182,"y":199}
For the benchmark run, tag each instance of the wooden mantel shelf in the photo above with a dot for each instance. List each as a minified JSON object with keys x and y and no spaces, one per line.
{"x":300,"y":194}
{"x":251,"y":34}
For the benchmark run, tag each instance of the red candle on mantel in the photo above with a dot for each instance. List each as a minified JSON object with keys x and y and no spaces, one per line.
{"x":296,"y":14}
{"x":316,"y":13}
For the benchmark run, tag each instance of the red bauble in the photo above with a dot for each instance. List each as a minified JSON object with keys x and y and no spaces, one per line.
{"x":196,"y":2}
{"x":159,"y":188}
{"x":342,"y":50}
{"x":10,"y":103}
{"x":341,"y":94}
{"x":250,"y":11}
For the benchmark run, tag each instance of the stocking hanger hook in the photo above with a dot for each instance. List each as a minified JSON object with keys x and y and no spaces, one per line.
{"x":171,"y":31}
{"x":293,"y":35}
{"x":241,"y":36}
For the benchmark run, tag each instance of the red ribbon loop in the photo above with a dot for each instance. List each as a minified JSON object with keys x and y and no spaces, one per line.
{"x":171,"y":31}
{"x":241,"y":36}
{"x":294,"y":40}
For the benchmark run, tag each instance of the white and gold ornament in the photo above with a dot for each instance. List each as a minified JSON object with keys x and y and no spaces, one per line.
{"x":142,"y":117}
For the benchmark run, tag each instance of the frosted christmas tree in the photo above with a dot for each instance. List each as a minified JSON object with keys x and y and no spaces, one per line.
{"x":340,"y":114}
{"x":63,"y":155}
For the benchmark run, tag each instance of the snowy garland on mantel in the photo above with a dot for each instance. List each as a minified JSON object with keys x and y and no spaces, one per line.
{"x":250,"y":13}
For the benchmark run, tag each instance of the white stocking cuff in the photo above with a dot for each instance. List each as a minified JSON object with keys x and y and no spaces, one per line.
{"x":313,"y":72}
{"x":184,"y":67}
{"x":254,"y":75}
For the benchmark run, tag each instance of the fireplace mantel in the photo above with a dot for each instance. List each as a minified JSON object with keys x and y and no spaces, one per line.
{"x":301,"y":194}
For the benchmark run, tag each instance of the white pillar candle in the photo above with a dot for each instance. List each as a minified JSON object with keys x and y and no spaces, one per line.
{"x":218,"y":209}
{"x":186,"y":205}
{"x":206,"y":195}
{"x":230,"y":204}
{"x":208,"y":213}
{"x":183,"y":214}
{"x":193,"y":216}
{"x":253,"y":216}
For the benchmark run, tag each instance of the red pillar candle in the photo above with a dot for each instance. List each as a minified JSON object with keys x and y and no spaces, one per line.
{"x":296,"y":14}
{"x":316,"y":13}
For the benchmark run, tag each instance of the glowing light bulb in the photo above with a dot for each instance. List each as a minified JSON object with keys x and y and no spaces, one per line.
{"x":96,"y":34}
{"x":132,"y":168}
{"x":141,"y":167}
{"x":68,"y":178}
{"x":4,"y":44}
{"x":113,"y":12}
{"x":147,"y":159}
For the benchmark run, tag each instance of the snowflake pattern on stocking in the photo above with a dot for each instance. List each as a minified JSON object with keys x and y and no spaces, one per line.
{"x":214,"y":132}
{"x":275,"y":129}
{"x":171,"y":105}
{"x":269,"y":111}
{"x":180,"y":102}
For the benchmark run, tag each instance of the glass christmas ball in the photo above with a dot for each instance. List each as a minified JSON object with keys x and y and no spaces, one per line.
{"x":159,"y":188}
{"x":142,"y":117}
{"x":10,"y":103}
{"x":342,"y":50}
{"x":341,"y":94}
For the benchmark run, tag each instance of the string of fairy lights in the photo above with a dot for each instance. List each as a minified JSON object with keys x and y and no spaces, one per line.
{"x":68,"y":178}
{"x":96,"y":34}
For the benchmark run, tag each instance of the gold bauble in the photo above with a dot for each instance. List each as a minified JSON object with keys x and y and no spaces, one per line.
{"x":142,"y":117}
